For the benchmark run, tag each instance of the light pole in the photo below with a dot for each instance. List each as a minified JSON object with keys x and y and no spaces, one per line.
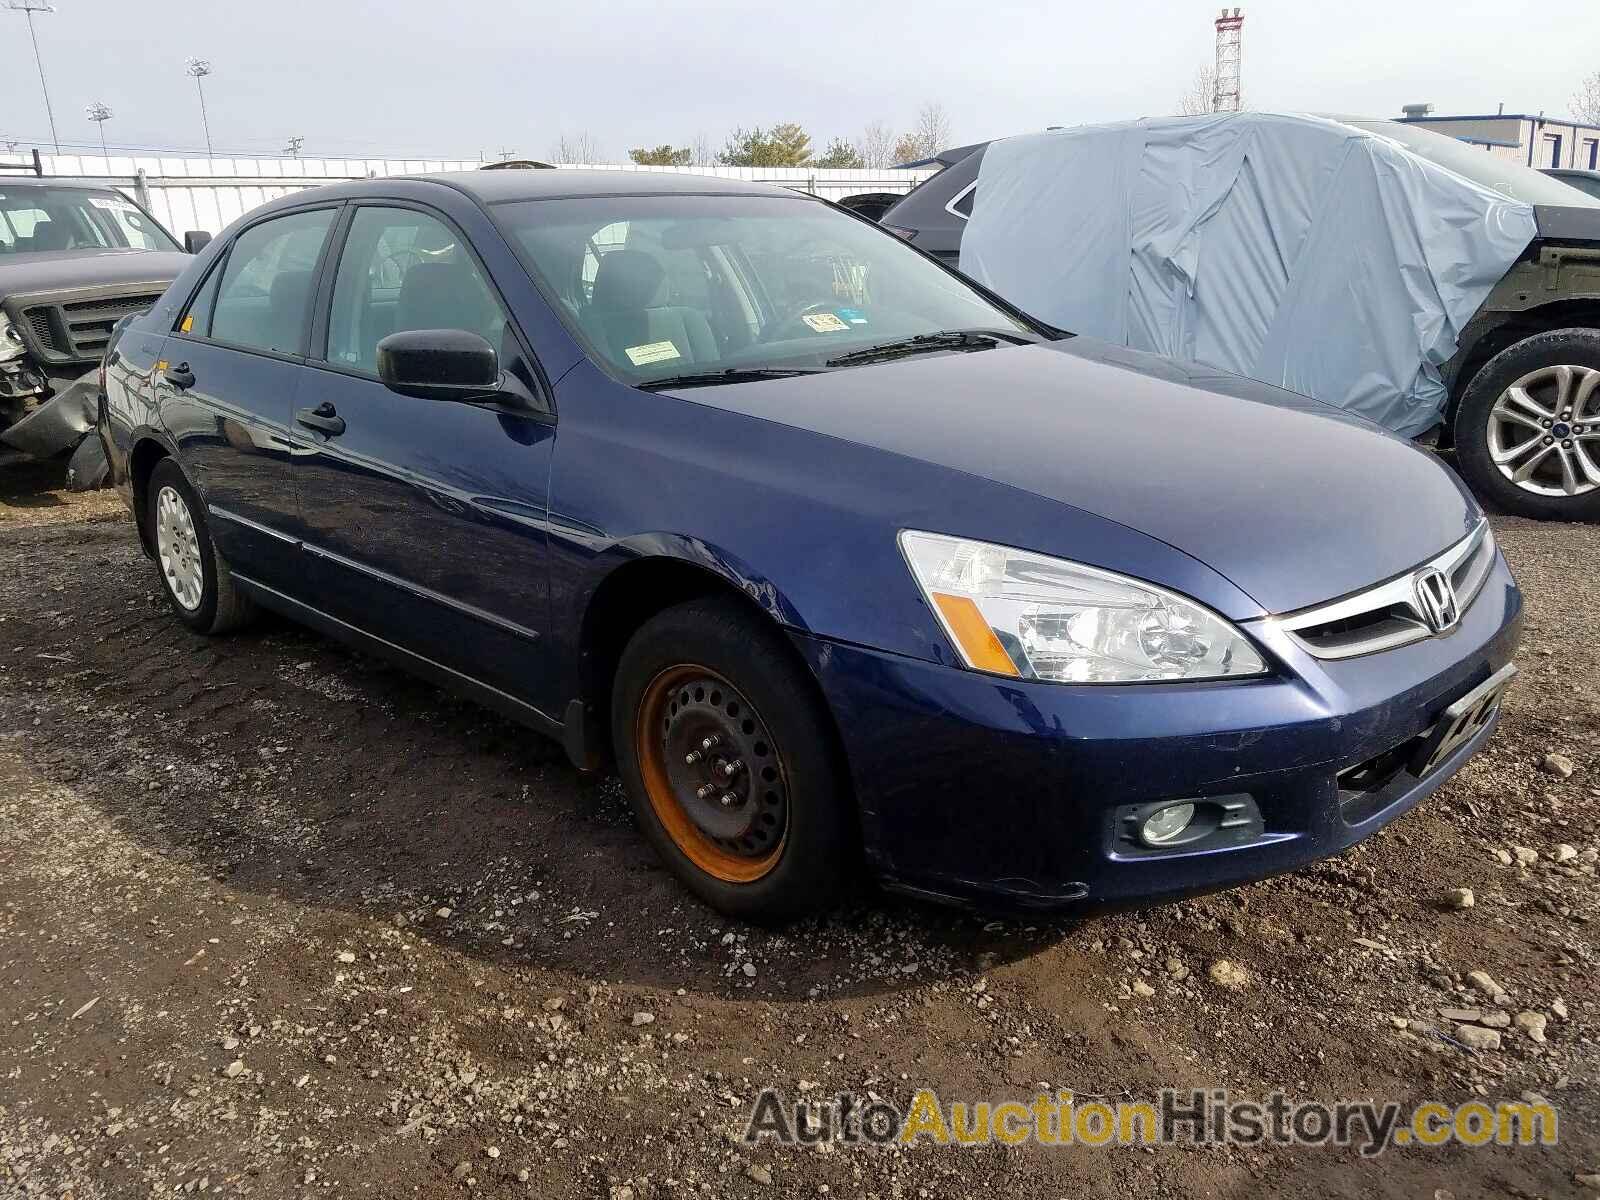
{"x":100,"y":114}
{"x":200,"y":68}
{"x":28,"y":8}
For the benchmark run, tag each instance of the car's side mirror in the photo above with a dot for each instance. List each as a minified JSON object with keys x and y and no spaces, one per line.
{"x":196,"y":240}
{"x":439,"y":364}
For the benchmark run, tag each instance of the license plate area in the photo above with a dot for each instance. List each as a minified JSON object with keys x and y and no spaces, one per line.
{"x":1462,"y":721}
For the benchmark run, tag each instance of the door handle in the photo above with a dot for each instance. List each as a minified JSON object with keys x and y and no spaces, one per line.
{"x":323,"y":417}
{"x":180,"y":376}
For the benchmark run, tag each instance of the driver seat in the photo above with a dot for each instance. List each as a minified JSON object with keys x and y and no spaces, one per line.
{"x":628,"y":310}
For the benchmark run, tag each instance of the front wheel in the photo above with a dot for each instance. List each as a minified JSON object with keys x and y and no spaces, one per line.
{"x":731,"y":764}
{"x":1528,"y":427}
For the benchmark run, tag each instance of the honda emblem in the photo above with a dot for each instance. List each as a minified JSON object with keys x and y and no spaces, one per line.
{"x":1436,"y":600}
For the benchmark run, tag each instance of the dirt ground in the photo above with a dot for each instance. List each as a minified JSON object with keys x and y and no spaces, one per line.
{"x":277,"y":920}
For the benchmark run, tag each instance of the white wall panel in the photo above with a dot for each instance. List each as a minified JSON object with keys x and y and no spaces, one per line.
{"x":208,"y":193}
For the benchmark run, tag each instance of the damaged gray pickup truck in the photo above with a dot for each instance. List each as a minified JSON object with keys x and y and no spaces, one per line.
{"x":74,"y":260}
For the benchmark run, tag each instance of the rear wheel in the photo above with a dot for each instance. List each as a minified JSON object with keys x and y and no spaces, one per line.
{"x":1528,"y":427}
{"x":194,"y":576}
{"x":730,"y":763}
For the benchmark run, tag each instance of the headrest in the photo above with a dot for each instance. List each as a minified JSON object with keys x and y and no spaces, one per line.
{"x":289,"y":290}
{"x":440,"y":295}
{"x":628,"y":279}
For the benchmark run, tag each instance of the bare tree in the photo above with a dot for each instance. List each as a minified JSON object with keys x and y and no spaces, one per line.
{"x":705,"y":154}
{"x":927,"y":137}
{"x":1201,"y":98}
{"x":876,"y":145}
{"x":1586,"y":101}
{"x":578,"y":148}
{"x":932,"y":129}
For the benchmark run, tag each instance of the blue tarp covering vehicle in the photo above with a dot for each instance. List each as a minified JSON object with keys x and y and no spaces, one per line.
{"x":1296,"y":250}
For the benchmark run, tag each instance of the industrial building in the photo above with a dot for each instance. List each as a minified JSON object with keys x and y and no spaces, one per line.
{"x":1539,"y":141}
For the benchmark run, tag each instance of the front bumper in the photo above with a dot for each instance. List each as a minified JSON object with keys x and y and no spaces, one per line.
{"x":62,"y":423}
{"x":1007,"y":793}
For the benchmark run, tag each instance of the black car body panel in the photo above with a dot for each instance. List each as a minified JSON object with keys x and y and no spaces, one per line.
{"x":931,"y":215}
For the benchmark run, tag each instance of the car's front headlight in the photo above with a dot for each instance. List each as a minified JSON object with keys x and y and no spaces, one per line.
{"x":10,"y":340}
{"x":1013,"y":612}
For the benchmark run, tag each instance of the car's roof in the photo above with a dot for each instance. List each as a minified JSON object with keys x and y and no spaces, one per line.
{"x":490,"y":187}
{"x":944,"y":158}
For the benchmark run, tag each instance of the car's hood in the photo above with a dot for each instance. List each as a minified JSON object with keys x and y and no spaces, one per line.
{"x":1290,"y":500}
{"x":59,"y":271}
{"x":1568,"y":222}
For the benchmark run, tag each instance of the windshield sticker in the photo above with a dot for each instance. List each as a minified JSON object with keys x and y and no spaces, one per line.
{"x":854,"y":315}
{"x":652,"y":352}
{"x":824,"y":322}
{"x":110,"y":205}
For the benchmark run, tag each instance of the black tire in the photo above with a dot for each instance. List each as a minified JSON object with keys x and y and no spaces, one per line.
{"x":815,"y":862}
{"x":221,"y":605}
{"x":1558,"y":347}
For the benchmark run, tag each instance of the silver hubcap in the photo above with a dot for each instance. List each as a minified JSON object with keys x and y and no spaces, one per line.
{"x":1544,"y":431}
{"x":178,"y":549}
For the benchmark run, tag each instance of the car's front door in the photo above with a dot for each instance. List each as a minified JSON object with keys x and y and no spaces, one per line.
{"x":226,"y":387}
{"x":424,"y":520}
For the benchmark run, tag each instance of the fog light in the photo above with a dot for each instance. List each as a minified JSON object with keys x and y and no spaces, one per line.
{"x":1166,"y":823}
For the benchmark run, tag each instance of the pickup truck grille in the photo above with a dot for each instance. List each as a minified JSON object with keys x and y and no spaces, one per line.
{"x":78,"y":330}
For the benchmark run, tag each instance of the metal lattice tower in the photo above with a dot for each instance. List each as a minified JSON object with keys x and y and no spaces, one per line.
{"x":1230,"y":31}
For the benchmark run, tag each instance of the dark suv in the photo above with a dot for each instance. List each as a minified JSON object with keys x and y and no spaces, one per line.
{"x":933,"y":214}
{"x":74,"y":260}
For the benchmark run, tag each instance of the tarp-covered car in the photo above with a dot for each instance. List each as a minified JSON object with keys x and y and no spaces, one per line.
{"x":74,"y":260}
{"x":1382,"y":268}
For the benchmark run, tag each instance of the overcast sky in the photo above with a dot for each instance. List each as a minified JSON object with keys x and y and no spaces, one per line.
{"x":424,"y":77}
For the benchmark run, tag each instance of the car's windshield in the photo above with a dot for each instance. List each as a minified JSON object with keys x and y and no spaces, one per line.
{"x":1479,"y":165}
{"x":51,"y":220}
{"x":662,"y":286}
{"x":1586,"y":182}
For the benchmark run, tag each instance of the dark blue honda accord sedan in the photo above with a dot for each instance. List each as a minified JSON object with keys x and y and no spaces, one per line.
{"x":840,"y":560}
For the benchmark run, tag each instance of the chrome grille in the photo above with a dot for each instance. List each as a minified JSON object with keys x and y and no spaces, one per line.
{"x":1388,"y":615}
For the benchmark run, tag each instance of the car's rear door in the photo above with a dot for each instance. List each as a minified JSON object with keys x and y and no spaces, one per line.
{"x":227,"y":381}
{"x":424,"y":520}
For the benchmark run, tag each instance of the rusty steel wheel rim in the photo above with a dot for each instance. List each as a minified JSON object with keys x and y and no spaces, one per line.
{"x":712,"y":773}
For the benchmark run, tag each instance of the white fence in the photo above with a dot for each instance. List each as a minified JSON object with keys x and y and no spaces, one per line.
{"x":208,"y":193}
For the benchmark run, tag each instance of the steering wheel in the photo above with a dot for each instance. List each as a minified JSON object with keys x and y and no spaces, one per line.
{"x":784,"y":323}
{"x":393,"y":266}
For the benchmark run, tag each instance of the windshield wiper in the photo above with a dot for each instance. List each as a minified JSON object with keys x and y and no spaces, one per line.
{"x":925,"y":343}
{"x":731,"y":375}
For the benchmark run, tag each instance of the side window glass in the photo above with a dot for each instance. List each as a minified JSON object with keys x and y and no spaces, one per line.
{"x":962,"y":206}
{"x":264,"y":298}
{"x":402,"y":270}
{"x":196,"y":318}
{"x":132,"y":227}
{"x":26,"y":220}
